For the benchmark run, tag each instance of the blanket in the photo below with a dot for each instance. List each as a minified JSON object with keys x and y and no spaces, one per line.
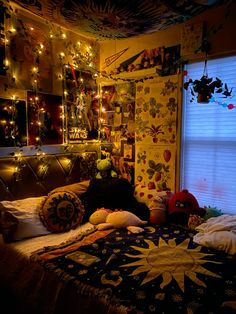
{"x":218,"y":233}
{"x":159,"y":271}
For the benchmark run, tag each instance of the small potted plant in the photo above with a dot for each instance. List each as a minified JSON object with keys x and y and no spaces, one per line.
{"x":204,"y":88}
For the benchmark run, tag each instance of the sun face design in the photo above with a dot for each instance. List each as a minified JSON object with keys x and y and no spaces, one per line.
{"x":171,"y":261}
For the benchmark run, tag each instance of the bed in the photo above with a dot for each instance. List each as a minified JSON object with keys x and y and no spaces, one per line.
{"x":85,"y":270}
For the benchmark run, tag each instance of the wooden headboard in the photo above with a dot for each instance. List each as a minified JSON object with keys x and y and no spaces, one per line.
{"x":30,"y":176}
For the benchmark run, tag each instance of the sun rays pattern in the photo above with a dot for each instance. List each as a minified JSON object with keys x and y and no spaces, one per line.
{"x":158,"y":271}
{"x":156,"y":261}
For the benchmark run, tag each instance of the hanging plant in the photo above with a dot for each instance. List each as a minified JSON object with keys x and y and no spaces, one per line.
{"x":204,"y":88}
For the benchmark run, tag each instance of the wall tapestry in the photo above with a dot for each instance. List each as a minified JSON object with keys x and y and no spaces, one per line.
{"x":116,"y":19}
{"x":12,"y":123}
{"x":155,"y":130}
{"x":45,"y":123}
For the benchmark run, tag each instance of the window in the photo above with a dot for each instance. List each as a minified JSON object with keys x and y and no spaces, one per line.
{"x":208,"y":150}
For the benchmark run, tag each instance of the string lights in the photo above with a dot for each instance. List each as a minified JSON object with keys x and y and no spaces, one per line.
{"x":79,"y":54}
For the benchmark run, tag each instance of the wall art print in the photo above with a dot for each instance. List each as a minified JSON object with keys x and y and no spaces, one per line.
{"x":156,"y":111}
{"x":45,"y":124}
{"x":83,"y":108}
{"x":155,"y":132}
{"x":155,"y":166}
{"x":127,"y":151}
{"x":12,"y":123}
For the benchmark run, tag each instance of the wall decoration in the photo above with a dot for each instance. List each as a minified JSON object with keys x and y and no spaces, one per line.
{"x":83,"y":108}
{"x":45,"y":123}
{"x":164,"y":59}
{"x":155,"y":132}
{"x":155,"y":166}
{"x":31,"y":54}
{"x":127,"y":151}
{"x":12,"y":122}
{"x":156,"y":111}
{"x":118,"y":107}
{"x":114,"y":57}
{"x":116,"y":19}
{"x":191,"y":39}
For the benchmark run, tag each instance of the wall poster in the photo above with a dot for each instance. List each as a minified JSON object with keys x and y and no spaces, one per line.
{"x":45,"y":124}
{"x":12,"y":123}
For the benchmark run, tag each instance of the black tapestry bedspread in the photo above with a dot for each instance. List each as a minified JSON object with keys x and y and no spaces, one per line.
{"x":158,"y":271}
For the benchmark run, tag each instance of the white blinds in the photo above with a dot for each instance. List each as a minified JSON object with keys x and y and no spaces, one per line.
{"x":208,"y":151}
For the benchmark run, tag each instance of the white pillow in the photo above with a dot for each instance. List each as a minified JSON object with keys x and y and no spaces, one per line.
{"x":26,"y":211}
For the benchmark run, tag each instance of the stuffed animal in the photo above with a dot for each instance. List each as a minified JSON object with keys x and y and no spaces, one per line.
{"x":181,"y":205}
{"x":105,"y":169}
{"x":211,"y":212}
{"x":106,"y":219}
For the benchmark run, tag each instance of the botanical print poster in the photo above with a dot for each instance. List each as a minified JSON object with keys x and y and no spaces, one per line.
{"x":155,"y":132}
{"x":155,"y":166}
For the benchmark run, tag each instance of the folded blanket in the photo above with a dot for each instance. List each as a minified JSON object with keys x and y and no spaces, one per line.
{"x":218,"y":233}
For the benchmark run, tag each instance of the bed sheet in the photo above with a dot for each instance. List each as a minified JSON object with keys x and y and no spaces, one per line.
{"x":28,"y":246}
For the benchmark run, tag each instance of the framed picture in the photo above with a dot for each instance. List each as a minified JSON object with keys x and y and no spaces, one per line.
{"x":45,"y":125}
{"x":127,"y":151}
{"x":13,"y":130}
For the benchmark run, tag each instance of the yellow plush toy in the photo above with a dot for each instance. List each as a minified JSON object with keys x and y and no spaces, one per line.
{"x":106,"y":219}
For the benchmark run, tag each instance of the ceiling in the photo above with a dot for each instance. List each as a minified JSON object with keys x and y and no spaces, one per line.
{"x":112,"y":19}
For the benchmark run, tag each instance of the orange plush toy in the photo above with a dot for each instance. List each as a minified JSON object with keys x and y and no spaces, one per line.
{"x":181,"y":205}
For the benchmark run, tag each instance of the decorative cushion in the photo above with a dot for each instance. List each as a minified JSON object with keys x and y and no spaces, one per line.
{"x":61,"y":211}
{"x":19,"y":219}
{"x":78,"y":188}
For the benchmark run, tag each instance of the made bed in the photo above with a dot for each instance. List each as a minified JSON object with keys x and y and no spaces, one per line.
{"x":85,"y":270}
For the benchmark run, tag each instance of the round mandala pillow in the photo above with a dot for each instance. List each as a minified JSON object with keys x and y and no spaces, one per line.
{"x":61,"y":211}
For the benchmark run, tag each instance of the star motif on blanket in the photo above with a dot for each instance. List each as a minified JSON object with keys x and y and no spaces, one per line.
{"x":170,"y":260}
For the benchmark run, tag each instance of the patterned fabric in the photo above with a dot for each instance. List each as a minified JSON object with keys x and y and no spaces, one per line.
{"x":154,"y":272}
{"x":61,"y":211}
{"x":116,"y":19}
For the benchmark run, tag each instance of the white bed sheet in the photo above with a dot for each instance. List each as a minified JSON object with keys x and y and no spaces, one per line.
{"x":28,"y":246}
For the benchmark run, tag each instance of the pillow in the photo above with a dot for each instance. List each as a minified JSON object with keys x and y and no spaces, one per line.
{"x":77,"y":188}
{"x":61,"y":211}
{"x":20,"y":220}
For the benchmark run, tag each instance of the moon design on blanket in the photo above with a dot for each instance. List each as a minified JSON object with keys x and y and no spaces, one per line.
{"x":170,"y":260}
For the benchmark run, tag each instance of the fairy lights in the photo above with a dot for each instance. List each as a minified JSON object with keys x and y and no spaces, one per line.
{"x":80,"y":54}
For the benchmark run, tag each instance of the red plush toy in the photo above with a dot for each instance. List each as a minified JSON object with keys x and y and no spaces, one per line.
{"x":181,"y":205}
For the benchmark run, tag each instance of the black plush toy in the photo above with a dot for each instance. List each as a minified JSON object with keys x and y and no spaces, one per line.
{"x":112,"y":193}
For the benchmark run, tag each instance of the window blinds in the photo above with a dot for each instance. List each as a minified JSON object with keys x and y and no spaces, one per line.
{"x":208,"y":150}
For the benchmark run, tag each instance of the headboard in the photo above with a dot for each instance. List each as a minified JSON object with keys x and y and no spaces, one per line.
{"x":29,"y":176}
